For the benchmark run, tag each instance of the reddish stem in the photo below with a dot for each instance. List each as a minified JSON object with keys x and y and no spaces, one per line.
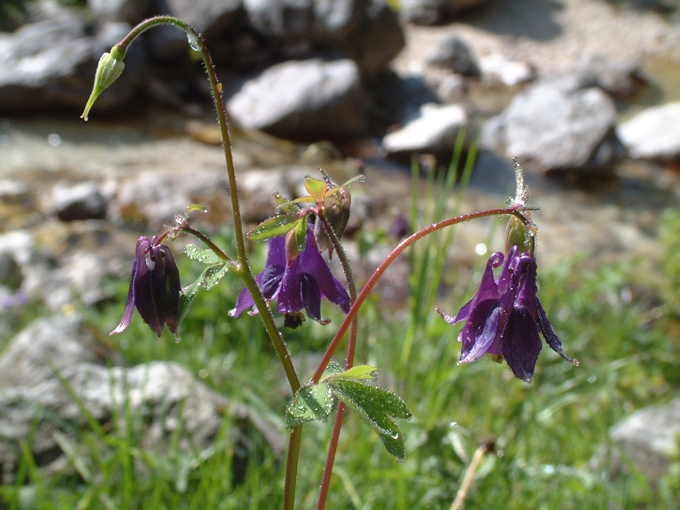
{"x":514,"y":210}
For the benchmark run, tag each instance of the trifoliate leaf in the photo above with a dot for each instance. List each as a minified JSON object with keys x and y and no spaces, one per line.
{"x":315,"y":187}
{"x":274,"y":227}
{"x":376,"y":406}
{"x":204,"y":256}
{"x":309,"y":403}
{"x":208,"y":279}
{"x":360,"y":373}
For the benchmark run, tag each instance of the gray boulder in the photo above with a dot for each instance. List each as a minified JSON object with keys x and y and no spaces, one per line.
{"x":454,"y":54}
{"x":51,"y":372}
{"x":48,"y":344}
{"x":620,"y":79}
{"x":51,"y":65}
{"x":366,"y":31}
{"x":650,"y":438}
{"x":431,"y":12}
{"x":653,"y":133}
{"x":153,"y":197}
{"x":84,"y":201}
{"x":306,"y":100}
{"x":556,"y":125}
{"x":251,"y":34}
{"x":128,"y":11}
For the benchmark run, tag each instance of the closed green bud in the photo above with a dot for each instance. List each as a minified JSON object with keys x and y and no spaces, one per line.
{"x":517,"y":234}
{"x":109,"y":69}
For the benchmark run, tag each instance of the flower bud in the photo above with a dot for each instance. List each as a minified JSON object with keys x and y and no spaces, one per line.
{"x":336,"y":209}
{"x":517,"y":234}
{"x":109,"y":69}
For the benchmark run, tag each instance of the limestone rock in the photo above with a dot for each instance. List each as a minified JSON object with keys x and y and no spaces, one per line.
{"x":649,"y":438}
{"x":653,"y":133}
{"x":557,"y":125}
{"x":307,"y":100}
{"x":51,"y":64}
{"x":84,"y":201}
{"x":433,"y":131}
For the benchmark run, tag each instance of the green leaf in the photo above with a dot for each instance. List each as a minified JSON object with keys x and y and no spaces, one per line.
{"x":213,"y":274}
{"x":301,"y":235}
{"x":315,"y":187}
{"x":376,"y":406}
{"x":208,"y":279}
{"x":333,"y":368}
{"x":274,"y":227}
{"x":309,"y":403}
{"x":360,"y":373}
{"x":194,"y":207}
{"x":204,"y":256}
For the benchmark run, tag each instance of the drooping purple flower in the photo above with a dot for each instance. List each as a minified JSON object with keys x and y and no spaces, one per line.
{"x":298,"y":284}
{"x":505,"y":316}
{"x":154,"y":288}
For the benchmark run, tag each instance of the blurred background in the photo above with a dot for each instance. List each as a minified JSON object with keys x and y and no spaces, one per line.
{"x":430,"y":100}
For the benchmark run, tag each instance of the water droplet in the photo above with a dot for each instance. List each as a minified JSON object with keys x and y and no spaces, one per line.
{"x":193,"y":41}
{"x":592,"y":379}
{"x":363,"y":179}
{"x":53,"y":139}
{"x":178,"y":339}
{"x":400,"y":460}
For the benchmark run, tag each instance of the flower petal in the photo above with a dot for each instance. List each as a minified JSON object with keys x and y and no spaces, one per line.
{"x":243,"y":302}
{"x":550,"y":337}
{"x":166,"y":287}
{"x":520,"y":344}
{"x":139,"y":268}
{"x":269,"y":280}
{"x":482,"y":329}
{"x":311,"y":297}
{"x":276,"y":251}
{"x":290,"y":296}
{"x":312,"y":263}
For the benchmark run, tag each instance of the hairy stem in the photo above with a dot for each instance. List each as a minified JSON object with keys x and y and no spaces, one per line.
{"x":351,"y":348}
{"x":243,"y":269}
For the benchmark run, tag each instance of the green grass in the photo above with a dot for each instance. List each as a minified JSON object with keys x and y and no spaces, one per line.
{"x":552,"y":447}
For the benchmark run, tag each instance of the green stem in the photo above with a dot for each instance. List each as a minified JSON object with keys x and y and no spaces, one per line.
{"x":514,"y":210}
{"x":199,"y":235}
{"x":292,"y":467}
{"x":243,"y":268}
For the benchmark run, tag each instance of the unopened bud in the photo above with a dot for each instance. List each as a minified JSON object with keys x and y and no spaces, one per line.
{"x":517,"y":234}
{"x":336,"y":208}
{"x":109,"y":69}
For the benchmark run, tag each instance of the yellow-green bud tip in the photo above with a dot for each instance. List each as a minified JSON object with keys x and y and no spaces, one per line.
{"x":517,"y":234}
{"x":109,"y":69}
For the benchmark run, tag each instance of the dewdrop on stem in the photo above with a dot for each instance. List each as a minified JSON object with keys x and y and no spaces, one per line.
{"x":193,"y":41}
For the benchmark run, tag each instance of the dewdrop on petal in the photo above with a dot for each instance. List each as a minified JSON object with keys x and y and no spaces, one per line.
{"x":109,"y":69}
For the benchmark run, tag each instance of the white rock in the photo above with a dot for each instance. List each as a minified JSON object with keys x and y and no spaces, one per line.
{"x":653,"y":133}
{"x":496,"y":67}
{"x":435,"y":128}
{"x":649,"y":438}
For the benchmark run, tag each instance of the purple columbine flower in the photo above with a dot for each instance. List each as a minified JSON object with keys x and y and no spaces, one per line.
{"x":505,"y":316}
{"x":300,"y":284}
{"x":154,"y":288}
